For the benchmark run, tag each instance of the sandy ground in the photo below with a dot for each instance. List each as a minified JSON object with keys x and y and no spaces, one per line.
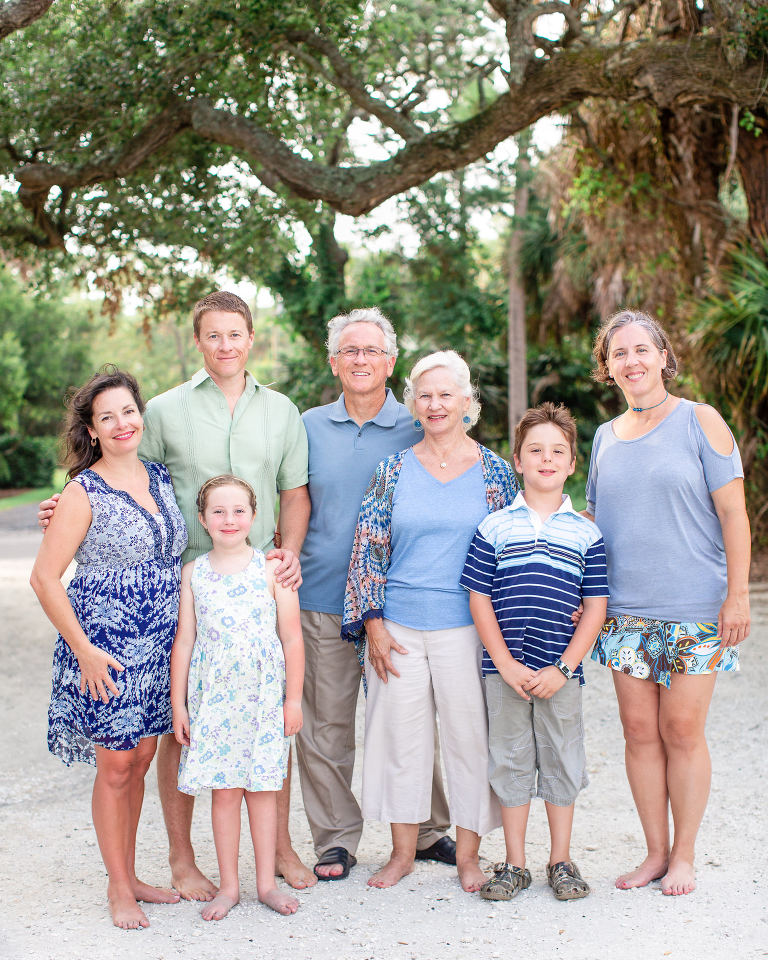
{"x":53,"y":882}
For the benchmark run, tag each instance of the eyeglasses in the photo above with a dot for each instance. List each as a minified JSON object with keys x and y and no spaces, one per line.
{"x":350,"y":353}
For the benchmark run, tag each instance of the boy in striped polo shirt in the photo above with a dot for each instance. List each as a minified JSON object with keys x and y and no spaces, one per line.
{"x":529,"y":567}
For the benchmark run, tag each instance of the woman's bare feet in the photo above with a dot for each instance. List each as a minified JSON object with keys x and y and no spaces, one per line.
{"x":679,"y":879}
{"x":652,"y":868}
{"x":191,"y":883}
{"x":292,"y":870}
{"x":150,"y":894}
{"x":470,"y":875}
{"x":280,"y":902}
{"x":392,"y":873}
{"x":126,"y":913}
{"x":220,"y":906}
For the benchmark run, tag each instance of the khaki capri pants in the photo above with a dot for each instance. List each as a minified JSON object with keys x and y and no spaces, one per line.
{"x":440,"y":672}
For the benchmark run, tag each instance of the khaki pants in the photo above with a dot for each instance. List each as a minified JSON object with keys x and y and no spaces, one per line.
{"x":440,"y":674}
{"x":325,"y":746}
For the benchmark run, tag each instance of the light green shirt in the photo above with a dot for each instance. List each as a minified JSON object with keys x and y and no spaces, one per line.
{"x":191,"y":431}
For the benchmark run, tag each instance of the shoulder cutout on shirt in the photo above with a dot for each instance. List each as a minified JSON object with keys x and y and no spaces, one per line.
{"x":715,"y":429}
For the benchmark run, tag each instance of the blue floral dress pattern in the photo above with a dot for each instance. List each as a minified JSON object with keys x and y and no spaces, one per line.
{"x":236,"y":684}
{"x":125,"y":594}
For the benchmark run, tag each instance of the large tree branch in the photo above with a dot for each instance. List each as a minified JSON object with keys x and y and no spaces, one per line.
{"x":666,"y":73}
{"x":17,"y":14}
{"x":345,"y":78}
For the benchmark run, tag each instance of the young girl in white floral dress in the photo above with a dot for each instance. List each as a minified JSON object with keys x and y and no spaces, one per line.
{"x":236,"y":688}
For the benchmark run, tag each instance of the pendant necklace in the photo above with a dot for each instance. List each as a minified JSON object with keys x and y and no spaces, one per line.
{"x":643,"y":409}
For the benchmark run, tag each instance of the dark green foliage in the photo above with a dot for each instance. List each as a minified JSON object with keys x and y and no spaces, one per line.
{"x":27,"y":461}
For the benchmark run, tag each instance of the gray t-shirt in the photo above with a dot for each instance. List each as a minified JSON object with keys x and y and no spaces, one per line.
{"x":651,"y":498}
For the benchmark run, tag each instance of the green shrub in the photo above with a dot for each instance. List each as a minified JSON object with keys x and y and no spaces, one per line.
{"x":27,"y":461}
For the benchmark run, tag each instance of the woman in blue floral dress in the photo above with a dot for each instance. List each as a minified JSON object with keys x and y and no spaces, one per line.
{"x":117,"y":517}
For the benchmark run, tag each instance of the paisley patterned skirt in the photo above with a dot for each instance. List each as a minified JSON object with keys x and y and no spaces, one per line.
{"x":655,"y":649}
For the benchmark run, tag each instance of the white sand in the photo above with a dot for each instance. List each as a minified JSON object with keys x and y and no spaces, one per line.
{"x":53,"y":881}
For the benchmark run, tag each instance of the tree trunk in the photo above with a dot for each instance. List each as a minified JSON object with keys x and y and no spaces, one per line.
{"x":752,"y":161}
{"x":517,"y":372}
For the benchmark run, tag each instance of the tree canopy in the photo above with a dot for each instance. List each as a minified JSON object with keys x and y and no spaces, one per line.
{"x":113,"y":116}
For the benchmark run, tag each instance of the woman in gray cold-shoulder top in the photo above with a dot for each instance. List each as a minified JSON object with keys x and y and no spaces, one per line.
{"x":666,"y":489}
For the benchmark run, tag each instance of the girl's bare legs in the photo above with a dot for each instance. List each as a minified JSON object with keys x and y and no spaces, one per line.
{"x":468,"y":860}
{"x":116,"y":805}
{"x":646,"y":763}
{"x":404,"y":838}
{"x":225,"y":817}
{"x":682,"y":718}
{"x":262,"y":818}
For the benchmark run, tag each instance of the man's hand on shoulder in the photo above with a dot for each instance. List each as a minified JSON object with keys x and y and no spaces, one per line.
{"x":45,"y":511}
{"x":288,"y":571}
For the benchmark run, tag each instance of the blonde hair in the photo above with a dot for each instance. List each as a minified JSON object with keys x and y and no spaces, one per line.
{"x":458,"y":369}
{"x":224,"y":480}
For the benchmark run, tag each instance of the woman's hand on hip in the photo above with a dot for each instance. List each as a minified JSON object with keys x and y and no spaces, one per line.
{"x":381,"y":643}
{"x":94,"y":666}
{"x":733,"y":620}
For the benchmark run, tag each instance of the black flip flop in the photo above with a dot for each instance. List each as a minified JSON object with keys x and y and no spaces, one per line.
{"x":331,"y":857}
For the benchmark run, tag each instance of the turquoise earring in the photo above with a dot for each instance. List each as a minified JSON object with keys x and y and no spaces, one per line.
{"x":466,"y":419}
{"x":418,"y":425}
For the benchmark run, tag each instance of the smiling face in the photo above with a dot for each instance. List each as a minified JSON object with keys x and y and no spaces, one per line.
{"x":545,"y":460}
{"x":362,"y":375}
{"x":635,"y":362}
{"x":116,"y":422}
{"x":439,"y":403}
{"x":228,"y":515}
{"x":224,"y":341}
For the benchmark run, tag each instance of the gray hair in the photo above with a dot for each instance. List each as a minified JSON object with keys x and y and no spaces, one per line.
{"x":624,"y":318}
{"x":458,"y":369}
{"x":361,"y":315}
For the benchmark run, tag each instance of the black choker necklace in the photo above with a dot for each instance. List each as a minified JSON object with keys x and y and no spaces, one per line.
{"x":643,"y":409}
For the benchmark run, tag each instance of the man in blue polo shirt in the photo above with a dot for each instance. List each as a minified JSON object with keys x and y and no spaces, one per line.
{"x":347,"y":440}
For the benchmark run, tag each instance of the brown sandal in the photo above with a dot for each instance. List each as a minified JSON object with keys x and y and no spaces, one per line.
{"x":507,"y":881}
{"x":566,"y":881}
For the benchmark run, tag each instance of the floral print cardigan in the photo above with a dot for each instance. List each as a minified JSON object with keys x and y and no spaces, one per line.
{"x":367,"y":578}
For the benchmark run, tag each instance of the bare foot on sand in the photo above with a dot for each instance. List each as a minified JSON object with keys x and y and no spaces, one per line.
{"x":220,"y":906}
{"x":679,"y":879}
{"x":192,"y":884}
{"x":392,"y":873}
{"x":280,"y":902}
{"x":150,"y":894}
{"x":126,"y":913}
{"x":652,"y":868}
{"x":470,"y":875}
{"x":292,"y":870}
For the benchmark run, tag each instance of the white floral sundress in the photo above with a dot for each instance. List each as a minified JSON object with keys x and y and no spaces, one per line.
{"x":236,"y":684}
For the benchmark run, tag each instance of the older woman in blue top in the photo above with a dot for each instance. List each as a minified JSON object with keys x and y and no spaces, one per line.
{"x":403,"y":597}
{"x":665,"y":487}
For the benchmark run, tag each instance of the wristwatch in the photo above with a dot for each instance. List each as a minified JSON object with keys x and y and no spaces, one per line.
{"x":564,"y":669}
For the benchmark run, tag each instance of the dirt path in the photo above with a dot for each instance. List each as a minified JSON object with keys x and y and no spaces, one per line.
{"x":54,"y":887}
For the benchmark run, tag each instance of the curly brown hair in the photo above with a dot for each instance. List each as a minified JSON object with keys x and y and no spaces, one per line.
{"x":80,"y":452}
{"x":559,"y":415}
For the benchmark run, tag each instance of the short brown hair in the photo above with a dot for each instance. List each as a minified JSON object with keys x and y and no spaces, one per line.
{"x":623,"y":319}
{"x":224,"y":301}
{"x":546,"y":412}
{"x":224,"y":480}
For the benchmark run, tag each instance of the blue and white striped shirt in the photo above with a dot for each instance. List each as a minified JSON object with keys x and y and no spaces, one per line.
{"x":536,"y":574}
